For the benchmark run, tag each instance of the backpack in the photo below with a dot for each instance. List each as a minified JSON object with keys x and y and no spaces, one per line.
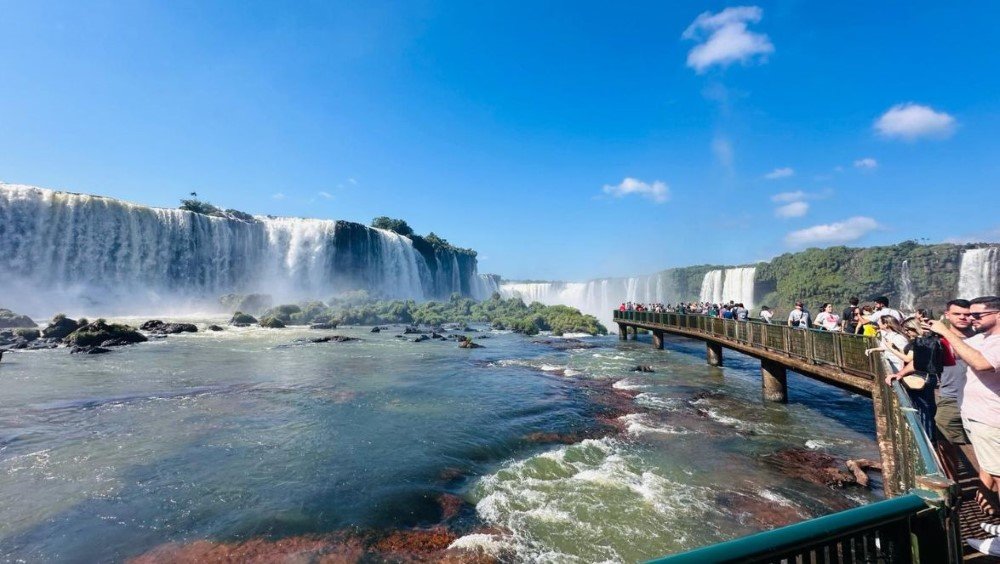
{"x":928,"y":355}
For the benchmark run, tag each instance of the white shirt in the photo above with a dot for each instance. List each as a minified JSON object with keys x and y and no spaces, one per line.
{"x":980,"y":399}
{"x":885,"y":311}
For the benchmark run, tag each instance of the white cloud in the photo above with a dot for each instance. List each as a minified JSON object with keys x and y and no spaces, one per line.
{"x":784,"y":172}
{"x":352,"y":181}
{"x":325,"y":195}
{"x":278,"y":196}
{"x":789,"y":196}
{"x":866,"y":163}
{"x":839,"y":232}
{"x":912,"y":121}
{"x":794,"y":209}
{"x":725,"y":39}
{"x":723,"y":151}
{"x":658,"y":191}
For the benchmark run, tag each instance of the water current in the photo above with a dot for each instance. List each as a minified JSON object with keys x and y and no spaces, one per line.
{"x":528,"y":451}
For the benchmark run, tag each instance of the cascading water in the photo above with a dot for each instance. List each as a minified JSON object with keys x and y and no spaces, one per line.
{"x":738,"y":285}
{"x":711,"y":287}
{"x":59,"y":249}
{"x":907,"y":299}
{"x":979,"y":273}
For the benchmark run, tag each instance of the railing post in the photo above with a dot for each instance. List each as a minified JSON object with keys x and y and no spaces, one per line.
{"x":786,"y":336}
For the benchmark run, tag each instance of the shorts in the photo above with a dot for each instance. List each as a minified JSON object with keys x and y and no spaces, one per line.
{"x":949,"y":421}
{"x":986,"y":442}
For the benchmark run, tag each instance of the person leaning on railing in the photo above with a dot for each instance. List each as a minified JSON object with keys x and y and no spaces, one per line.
{"x":981,"y":396}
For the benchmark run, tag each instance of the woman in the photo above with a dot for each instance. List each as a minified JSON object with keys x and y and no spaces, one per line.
{"x":827,"y":320}
{"x":920,"y":387}
{"x":864,"y":326}
{"x":892,"y":340}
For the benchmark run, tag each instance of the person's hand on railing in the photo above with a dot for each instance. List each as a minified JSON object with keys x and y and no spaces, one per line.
{"x":892,"y":377}
{"x":868,"y":352}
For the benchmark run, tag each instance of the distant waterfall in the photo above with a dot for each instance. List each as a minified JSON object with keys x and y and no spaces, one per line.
{"x":907,"y":299}
{"x":738,"y":285}
{"x":711,"y":287}
{"x":58,"y":249}
{"x":979,"y":273}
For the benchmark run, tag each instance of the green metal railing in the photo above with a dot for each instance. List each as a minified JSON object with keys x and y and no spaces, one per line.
{"x":919,"y":523}
{"x":842,"y":350}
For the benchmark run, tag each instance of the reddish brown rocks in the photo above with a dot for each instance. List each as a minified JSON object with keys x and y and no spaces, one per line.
{"x":812,"y":466}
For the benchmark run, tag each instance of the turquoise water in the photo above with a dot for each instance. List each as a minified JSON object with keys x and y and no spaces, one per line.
{"x":247,"y":433}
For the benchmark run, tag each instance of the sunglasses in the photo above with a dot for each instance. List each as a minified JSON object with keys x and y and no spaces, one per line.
{"x":979,"y":314}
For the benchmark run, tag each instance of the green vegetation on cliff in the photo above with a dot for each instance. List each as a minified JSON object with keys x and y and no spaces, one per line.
{"x":425,"y":245}
{"x":500,"y":313}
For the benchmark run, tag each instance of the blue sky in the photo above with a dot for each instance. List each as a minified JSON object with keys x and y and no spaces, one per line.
{"x":562,"y":140}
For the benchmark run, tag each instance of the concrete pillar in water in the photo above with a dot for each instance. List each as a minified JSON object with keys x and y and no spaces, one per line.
{"x":774,"y":381}
{"x":714,"y":353}
{"x":622,"y":332}
{"x":658,"y":339}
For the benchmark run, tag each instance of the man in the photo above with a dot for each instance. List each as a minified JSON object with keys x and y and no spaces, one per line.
{"x":742,"y":313}
{"x":848,"y":324}
{"x":882,"y":308}
{"x":980,"y":398}
{"x":949,"y":418}
{"x":766,"y":314}
{"x":799,"y":317}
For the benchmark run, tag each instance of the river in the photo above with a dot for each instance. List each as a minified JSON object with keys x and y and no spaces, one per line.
{"x":521,"y":450}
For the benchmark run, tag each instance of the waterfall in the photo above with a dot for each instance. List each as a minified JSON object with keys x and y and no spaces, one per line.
{"x":979,"y":273}
{"x":738,"y":285}
{"x":59,"y":249}
{"x":907,"y":299}
{"x":711,"y":287}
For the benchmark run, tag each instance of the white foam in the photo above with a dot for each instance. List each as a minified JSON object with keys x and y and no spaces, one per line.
{"x":627,"y":384}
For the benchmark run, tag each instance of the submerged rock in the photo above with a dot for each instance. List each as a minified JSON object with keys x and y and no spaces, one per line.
{"x":643,"y":368}
{"x":421,"y":338}
{"x":812,"y":466}
{"x":214,"y":328}
{"x":376,"y":329}
{"x":565,"y":344}
{"x":334,"y":339}
{"x":157,"y":326}
{"x":323,"y":326}
{"x":468,"y":344}
{"x":89,"y":350}
{"x":413,"y":331}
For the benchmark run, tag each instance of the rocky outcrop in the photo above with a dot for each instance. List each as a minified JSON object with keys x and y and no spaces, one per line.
{"x":214,"y":328}
{"x":323,"y":326}
{"x":241,"y":319}
{"x":812,"y":466}
{"x":61,"y":326}
{"x":102,"y":333}
{"x":272,"y":323}
{"x":157,"y":326}
{"x":10,"y":320}
{"x":469,"y":344}
{"x":334,"y":339}
{"x":89,"y":350}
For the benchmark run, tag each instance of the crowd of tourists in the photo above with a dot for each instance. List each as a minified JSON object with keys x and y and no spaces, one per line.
{"x":949,"y":366}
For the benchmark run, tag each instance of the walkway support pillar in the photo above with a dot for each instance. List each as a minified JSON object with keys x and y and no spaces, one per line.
{"x":622,"y":332}
{"x":658,"y":339}
{"x":714,"y":352}
{"x":774,"y":380}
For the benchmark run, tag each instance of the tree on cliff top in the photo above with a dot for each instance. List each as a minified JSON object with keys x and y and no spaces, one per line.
{"x":395,"y":225}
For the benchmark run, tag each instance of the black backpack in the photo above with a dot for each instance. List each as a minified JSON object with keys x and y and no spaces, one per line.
{"x":928,"y":355}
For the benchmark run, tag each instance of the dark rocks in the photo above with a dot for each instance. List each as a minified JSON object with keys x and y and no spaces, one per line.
{"x":89,"y":350}
{"x":157,"y":326}
{"x":334,"y":339}
{"x":811,"y":466}
{"x":9,"y":320}
{"x":100,"y":331}
{"x":214,"y":328}
{"x":241,"y":319}
{"x":61,"y":326}
{"x":376,"y":329}
{"x":643,"y":368}
{"x":28,"y":335}
{"x":272,"y":323}
{"x":421,"y":338}
{"x":413,"y":331}
{"x":468,"y":344}
{"x":436,"y":335}
{"x":323,"y":326}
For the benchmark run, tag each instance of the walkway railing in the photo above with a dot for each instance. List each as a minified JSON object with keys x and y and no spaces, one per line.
{"x":919,"y":523}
